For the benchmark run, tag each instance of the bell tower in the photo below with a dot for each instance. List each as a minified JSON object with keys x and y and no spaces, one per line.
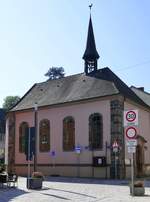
{"x":90,"y":55}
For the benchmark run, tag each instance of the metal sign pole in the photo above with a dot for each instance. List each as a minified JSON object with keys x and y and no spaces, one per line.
{"x":92,"y":163}
{"x":36,"y":131}
{"x":78,"y":162}
{"x":115,"y":150}
{"x":115,"y":166}
{"x":132,"y":174}
{"x":78,"y":152}
{"x":28,"y":159}
{"x":106,"y":158}
{"x":53,"y":160}
{"x":131,"y":126}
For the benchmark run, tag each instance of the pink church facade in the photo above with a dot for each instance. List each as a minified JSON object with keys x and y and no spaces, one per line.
{"x":66,"y":163}
{"x":78,"y":119}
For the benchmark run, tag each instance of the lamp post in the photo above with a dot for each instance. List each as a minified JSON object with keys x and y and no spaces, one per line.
{"x":35,"y":124}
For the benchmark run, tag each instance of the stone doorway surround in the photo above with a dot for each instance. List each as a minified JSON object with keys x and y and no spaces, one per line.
{"x":140,"y":156}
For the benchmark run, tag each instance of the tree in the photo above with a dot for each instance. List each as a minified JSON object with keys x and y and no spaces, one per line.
{"x":10,"y":101}
{"x":55,"y":73}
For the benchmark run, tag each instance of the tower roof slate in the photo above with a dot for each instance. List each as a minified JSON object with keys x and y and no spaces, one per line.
{"x":90,"y":51}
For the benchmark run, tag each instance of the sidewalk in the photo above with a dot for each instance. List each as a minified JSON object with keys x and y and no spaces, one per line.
{"x":73,"y":189}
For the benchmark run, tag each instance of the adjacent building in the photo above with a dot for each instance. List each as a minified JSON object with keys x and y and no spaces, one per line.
{"x":2,"y":135}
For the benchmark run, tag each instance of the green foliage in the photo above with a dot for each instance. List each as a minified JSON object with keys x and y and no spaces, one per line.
{"x":139,"y":183}
{"x":55,"y":73}
{"x":37,"y":174}
{"x":10,"y":101}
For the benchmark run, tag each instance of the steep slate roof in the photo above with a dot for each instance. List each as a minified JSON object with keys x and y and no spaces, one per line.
{"x":90,"y":51}
{"x":77,"y":87}
{"x":142,"y":94}
{"x":123,"y":89}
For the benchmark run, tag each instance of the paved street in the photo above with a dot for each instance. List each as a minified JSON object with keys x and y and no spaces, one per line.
{"x":73,"y":189}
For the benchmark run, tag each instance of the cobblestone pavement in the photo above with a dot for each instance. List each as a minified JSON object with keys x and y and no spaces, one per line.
{"x":73,"y":189}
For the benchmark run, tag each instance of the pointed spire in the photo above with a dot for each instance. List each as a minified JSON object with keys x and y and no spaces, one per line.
{"x":90,"y":55}
{"x":90,"y":51}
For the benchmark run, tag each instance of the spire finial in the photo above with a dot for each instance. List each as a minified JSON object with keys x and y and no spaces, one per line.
{"x":90,"y":6}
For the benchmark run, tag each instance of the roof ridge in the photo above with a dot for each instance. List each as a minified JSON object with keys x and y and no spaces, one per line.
{"x":109,"y":75}
{"x":50,"y":80}
{"x":140,"y":90}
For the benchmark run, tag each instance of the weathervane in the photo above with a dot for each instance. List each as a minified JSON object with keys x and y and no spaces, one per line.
{"x":90,"y":6}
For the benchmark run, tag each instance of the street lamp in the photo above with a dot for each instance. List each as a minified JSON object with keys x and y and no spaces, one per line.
{"x":35,"y":124}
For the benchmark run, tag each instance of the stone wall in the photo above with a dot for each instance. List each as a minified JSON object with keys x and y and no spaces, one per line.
{"x":117,"y":134}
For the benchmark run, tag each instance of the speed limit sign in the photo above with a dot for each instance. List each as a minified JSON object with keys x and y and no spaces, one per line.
{"x":131,"y":118}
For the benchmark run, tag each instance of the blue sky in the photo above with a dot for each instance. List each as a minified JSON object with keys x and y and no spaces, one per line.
{"x":38,"y":34}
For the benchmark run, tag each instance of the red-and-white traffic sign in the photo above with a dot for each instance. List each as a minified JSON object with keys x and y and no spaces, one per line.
{"x":130,"y":132}
{"x":131,"y":118}
{"x":115,"y":146}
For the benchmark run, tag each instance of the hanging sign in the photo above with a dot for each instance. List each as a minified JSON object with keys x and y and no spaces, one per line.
{"x":30,"y":143}
{"x":131,"y":149}
{"x":78,"y":149}
{"x":131,"y":142}
{"x":53,"y":153}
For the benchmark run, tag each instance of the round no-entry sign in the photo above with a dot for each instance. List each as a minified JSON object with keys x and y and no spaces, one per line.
{"x":130,"y":116}
{"x":131,"y":132}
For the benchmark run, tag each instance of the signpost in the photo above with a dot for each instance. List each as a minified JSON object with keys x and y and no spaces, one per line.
{"x":53,"y":154}
{"x":78,"y":149}
{"x":115,"y":147}
{"x":78,"y":152}
{"x":131,"y":124}
{"x":29,"y":148}
{"x":28,"y":160}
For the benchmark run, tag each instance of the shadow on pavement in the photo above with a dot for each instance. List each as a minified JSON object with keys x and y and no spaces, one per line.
{"x":8,"y":194}
{"x":86,"y":180}
{"x":93,"y":181}
{"x":145,"y":195}
{"x":56,"y":196}
{"x":72,"y":192}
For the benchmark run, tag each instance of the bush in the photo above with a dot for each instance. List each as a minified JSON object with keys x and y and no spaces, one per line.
{"x":139,"y":184}
{"x":37,"y":175}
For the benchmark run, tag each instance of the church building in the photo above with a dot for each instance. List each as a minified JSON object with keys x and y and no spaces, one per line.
{"x":77,"y":120}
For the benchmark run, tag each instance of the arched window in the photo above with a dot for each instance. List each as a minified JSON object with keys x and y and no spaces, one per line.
{"x":44,"y":140}
{"x":23,"y":131}
{"x":96,"y":131}
{"x":68,"y":134}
